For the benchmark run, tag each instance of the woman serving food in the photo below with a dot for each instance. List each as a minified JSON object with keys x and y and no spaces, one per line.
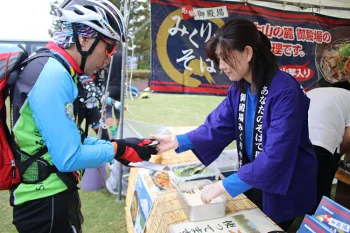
{"x":266,"y":112}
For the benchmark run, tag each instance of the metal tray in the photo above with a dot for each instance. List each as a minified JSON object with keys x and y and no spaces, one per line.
{"x":176,"y":179}
{"x":202,"y":211}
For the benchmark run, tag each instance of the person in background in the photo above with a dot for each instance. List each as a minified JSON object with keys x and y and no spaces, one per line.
{"x":90,"y":94}
{"x":114,"y":90}
{"x":44,"y":113}
{"x":329,"y":126}
{"x":114,"y":105}
{"x":266,"y":112}
{"x":91,"y":90}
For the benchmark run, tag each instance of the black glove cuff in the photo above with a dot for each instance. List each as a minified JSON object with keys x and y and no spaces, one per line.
{"x":124,"y":162}
{"x":120,"y":149}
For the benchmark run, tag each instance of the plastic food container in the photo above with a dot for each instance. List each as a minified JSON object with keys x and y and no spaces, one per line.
{"x":188,"y":194}
{"x":213,"y":175}
{"x":227,"y":162}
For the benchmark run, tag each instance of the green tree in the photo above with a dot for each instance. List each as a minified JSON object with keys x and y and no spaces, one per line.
{"x":56,"y":25}
{"x":115,"y":3}
{"x":139,"y":16}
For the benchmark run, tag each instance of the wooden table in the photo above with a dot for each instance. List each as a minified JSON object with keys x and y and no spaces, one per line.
{"x":166,"y":209}
{"x":342,"y":193}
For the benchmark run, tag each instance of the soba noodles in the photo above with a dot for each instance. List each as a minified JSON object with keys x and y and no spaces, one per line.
{"x":335,"y":61}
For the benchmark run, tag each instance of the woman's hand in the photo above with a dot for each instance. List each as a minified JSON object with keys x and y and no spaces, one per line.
{"x":212,"y":191}
{"x":166,"y":143}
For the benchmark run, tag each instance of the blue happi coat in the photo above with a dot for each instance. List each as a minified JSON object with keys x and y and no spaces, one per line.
{"x":285,"y":171}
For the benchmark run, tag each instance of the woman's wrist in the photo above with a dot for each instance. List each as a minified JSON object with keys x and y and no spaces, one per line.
{"x":175,"y":142}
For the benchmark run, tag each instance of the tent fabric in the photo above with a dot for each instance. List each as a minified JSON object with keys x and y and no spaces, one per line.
{"x":321,"y":6}
{"x":142,"y":129}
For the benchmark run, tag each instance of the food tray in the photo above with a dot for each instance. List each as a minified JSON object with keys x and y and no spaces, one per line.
{"x":194,"y":208}
{"x":214,"y":175}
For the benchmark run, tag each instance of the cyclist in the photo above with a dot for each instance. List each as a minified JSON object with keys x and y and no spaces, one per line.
{"x":44,"y":112}
{"x":114,"y":90}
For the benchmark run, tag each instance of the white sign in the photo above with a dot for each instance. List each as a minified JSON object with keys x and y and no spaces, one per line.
{"x":210,"y":13}
{"x":240,"y":222}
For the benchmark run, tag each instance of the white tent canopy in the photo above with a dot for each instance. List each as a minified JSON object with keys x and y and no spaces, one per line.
{"x":335,"y":8}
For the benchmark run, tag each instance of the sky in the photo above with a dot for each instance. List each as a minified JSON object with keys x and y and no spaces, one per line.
{"x":29,"y":19}
{"x":25,"y":19}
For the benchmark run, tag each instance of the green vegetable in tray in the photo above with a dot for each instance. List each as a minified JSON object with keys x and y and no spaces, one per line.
{"x":344,"y":50}
{"x":191,"y":170}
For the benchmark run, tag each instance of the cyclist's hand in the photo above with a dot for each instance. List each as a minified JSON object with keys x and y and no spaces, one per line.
{"x":167,"y":142}
{"x":134,"y":150}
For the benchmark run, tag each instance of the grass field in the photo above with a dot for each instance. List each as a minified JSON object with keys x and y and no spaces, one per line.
{"x":101,"y":212}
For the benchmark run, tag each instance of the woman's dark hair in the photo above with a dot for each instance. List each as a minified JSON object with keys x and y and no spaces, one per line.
{"x":236,"y":34}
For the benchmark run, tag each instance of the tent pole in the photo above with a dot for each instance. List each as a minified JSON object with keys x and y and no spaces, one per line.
{"x":121,"y":122}
{"x":122,"y":99}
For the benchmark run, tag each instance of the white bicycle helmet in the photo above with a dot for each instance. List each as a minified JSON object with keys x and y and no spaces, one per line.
{"x":101,"y":15}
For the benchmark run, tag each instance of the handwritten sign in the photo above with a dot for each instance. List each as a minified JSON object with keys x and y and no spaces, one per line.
{"x":241,"y":222}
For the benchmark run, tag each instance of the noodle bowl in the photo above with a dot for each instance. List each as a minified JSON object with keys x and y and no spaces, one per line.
{"x":333,"y":59}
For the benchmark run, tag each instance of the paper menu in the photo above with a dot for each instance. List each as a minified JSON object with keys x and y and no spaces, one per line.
{"x":141,"y":204}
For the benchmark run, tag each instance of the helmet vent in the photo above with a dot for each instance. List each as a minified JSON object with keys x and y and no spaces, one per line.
{"x":101,"y":15}
{"x":78,"y":12}
{"x":97,"y":23}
